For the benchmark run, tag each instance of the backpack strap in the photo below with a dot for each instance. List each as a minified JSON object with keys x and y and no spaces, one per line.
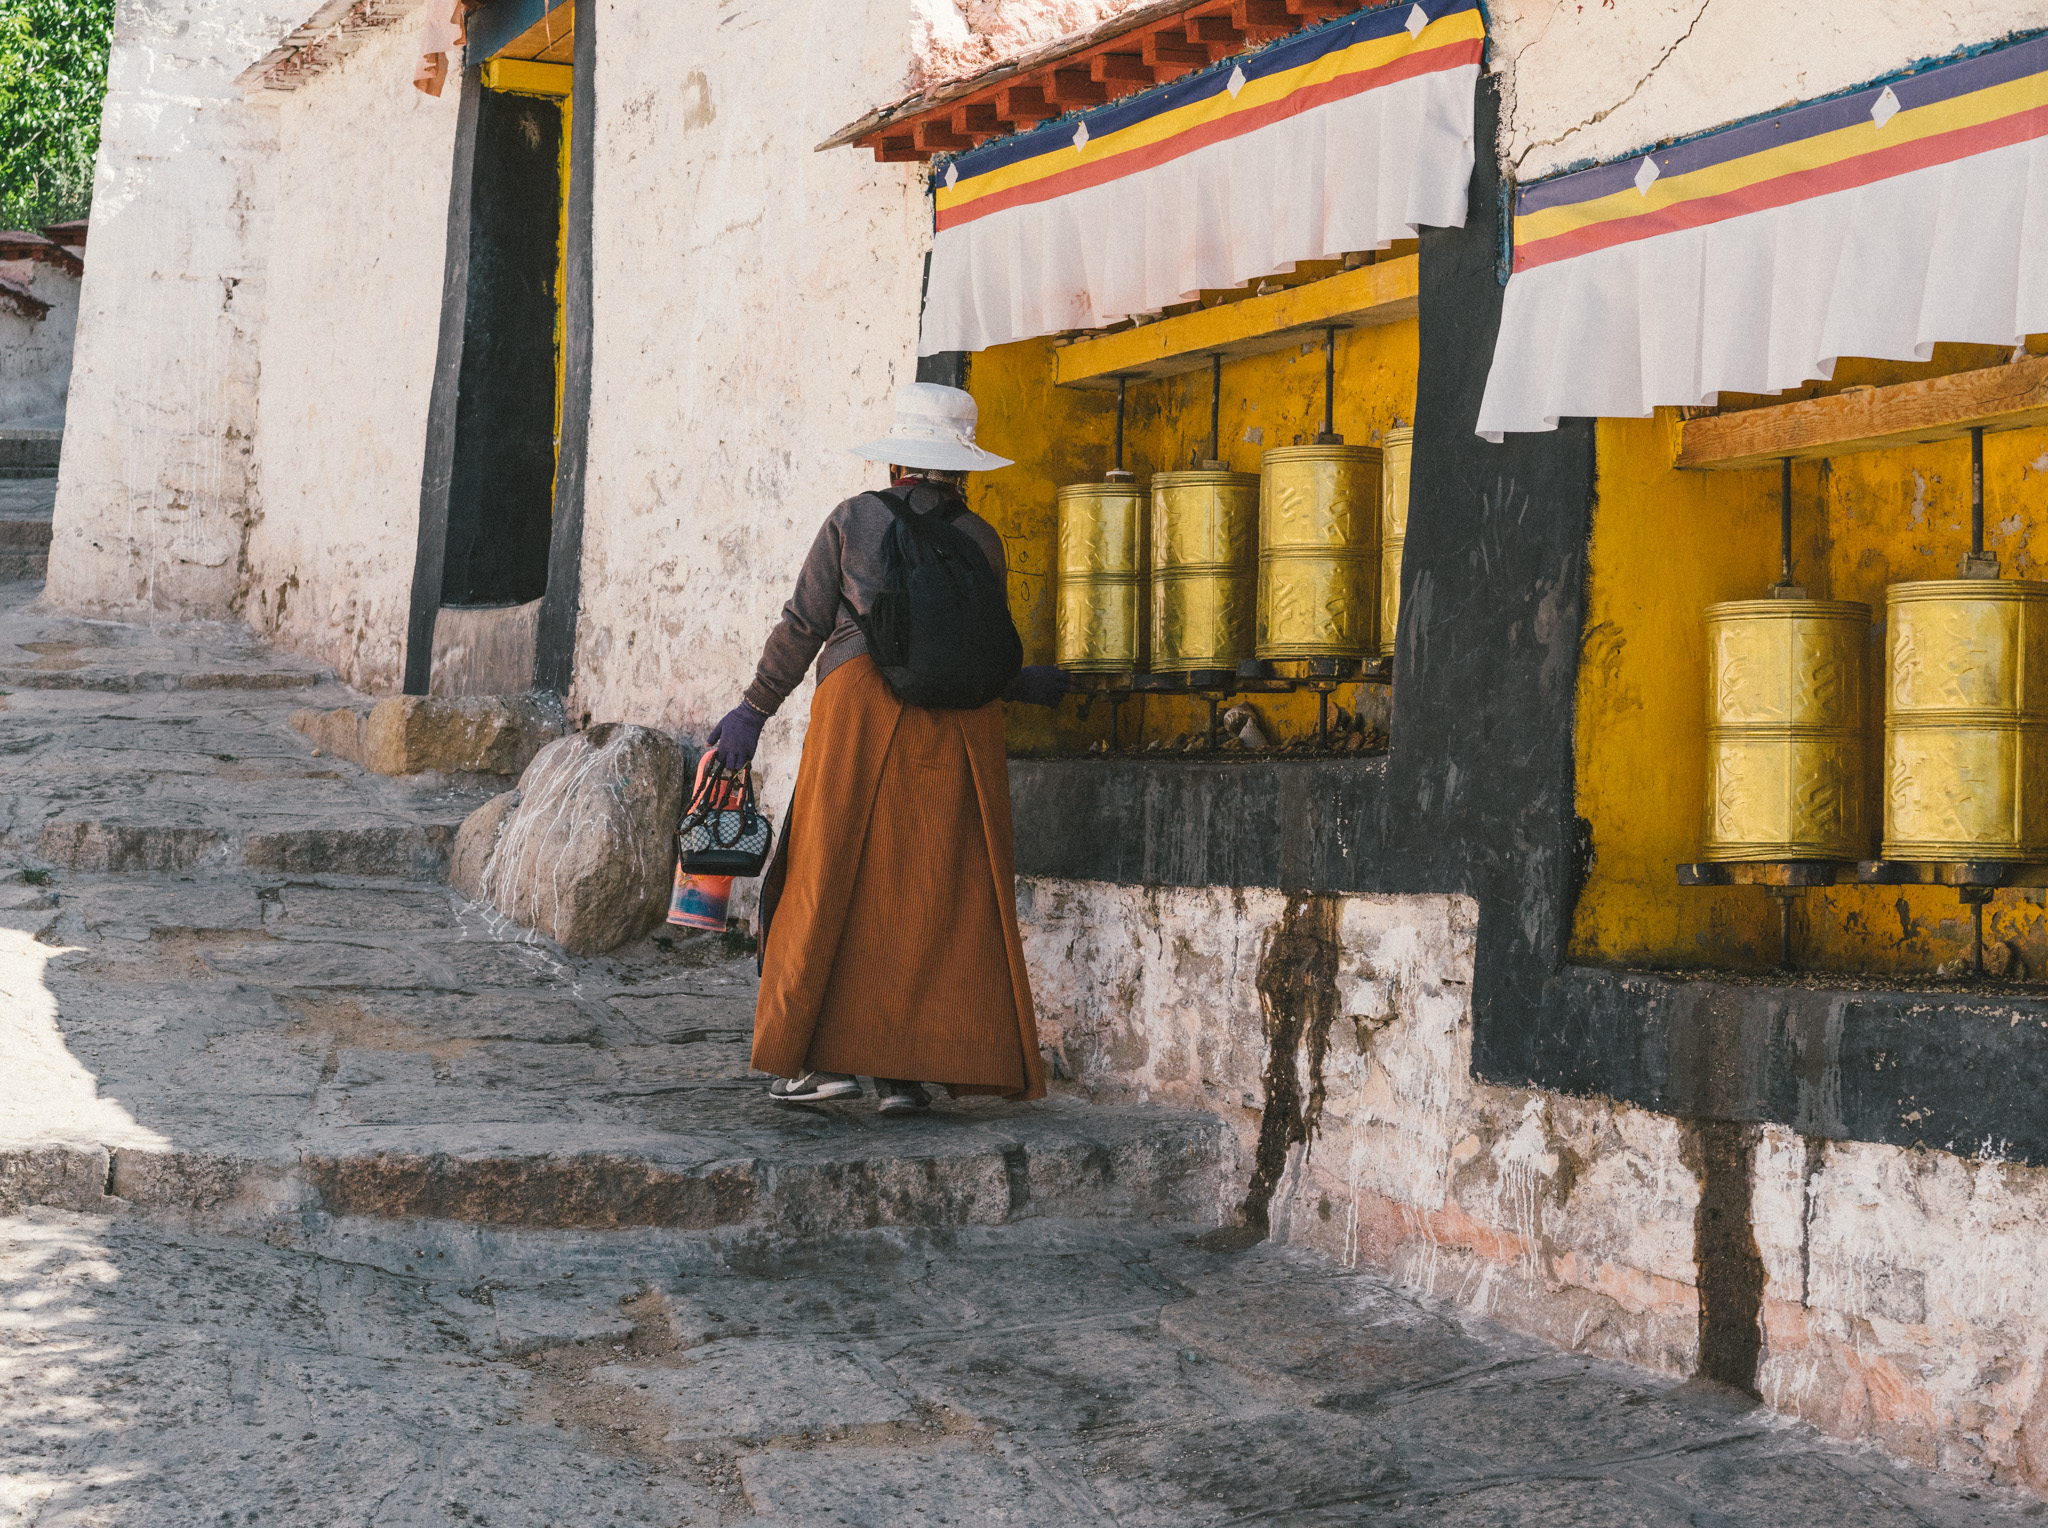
{"x":952,"y":507}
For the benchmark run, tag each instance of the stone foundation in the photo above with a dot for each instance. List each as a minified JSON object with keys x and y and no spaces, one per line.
{"x":1902,"y":1300}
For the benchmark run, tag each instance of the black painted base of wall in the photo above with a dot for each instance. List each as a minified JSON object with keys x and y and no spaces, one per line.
{"x":1957,"y":1071}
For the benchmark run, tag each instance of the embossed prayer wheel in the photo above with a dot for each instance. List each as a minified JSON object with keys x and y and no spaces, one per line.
{"x":1400,"y":446}
{"x":1966,"y":720}
{"x":1319,"y":522}
{"x":1205,"y":543}
{"x":1785,"y":731}
{"x":1099,"y":598}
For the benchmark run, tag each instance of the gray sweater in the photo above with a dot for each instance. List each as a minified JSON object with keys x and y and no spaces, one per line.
{"x":846,"y":559}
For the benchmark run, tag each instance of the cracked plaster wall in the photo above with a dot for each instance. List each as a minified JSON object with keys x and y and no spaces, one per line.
{"x":354,"y":257}
{"x":1586,"y":80}
{"x":35,"y":353}
{"x":755,"y":308}
{"x":1904,"y":1300}
{"x":157,"y":485}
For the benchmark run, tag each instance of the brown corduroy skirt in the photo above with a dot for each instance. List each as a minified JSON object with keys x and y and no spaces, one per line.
{"x":891,"y":947}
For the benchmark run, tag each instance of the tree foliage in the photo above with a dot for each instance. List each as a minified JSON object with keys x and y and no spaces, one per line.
{"x":53,"y":73}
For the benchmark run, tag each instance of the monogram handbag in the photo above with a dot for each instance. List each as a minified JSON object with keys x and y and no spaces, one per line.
{"x":724,"y":832}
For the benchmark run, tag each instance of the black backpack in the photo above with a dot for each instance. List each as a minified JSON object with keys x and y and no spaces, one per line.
{"x":940,"y":630}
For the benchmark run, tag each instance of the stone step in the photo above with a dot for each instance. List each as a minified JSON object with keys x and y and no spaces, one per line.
{"x":114,"y":681}
{"x":258,"y":1046}
{"x":962,"y":1165}
{"x":30,"y":453}
{"x":414,"y":850}
{"x":26,"y":507}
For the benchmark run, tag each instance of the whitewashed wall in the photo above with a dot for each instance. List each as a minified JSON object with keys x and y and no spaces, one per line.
{"x":756,"y":304}
{"x":35,"y":353}
{"x":1588,"y":80}
{"x":1905,"y":1300}
{"x":355,"y":239}
{"x":156,"y":491}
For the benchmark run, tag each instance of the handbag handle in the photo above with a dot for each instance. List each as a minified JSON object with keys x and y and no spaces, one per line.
{"x":708,"y":804}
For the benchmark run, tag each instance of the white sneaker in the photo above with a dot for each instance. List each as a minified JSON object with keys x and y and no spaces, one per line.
{"x":813,"y":1088}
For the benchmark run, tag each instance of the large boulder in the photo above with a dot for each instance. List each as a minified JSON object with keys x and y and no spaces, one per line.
{"x":476,"y":841}
{"x":585,"y":856}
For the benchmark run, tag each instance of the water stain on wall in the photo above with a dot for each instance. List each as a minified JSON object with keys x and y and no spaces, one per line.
{"x":1297,"y":985}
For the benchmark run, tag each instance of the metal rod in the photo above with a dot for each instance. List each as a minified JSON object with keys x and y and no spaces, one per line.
{"x":1216,"y":407}
{"x":1977,"y":490}
{"x":1785,"y":521}
{"x":1322,"y":718}
{"x":1330,"y":380}
{"x":1977,"y":915}
{"x":1119,"y":424}
{"x":1214,"y":704}
{"x":1784,"y":931}
{"x":1116,"y":712}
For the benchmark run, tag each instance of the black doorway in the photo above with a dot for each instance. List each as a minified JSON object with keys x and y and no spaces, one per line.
{"x":501,"y":483}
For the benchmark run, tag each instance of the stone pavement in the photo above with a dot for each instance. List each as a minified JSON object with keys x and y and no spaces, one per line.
{"x":327,"y":1198}
{"x":27,"y":505}
{"x":354,"y":1372}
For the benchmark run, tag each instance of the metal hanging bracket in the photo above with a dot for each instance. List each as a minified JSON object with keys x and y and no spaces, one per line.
{"x":1978,"y":564}
{"x":1329,"y":436}
{"x":1215,"y":458}
{"x":1116,"y":473}
{"x":1785,"y":588}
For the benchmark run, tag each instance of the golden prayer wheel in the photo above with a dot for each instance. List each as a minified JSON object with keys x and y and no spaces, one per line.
{"x":1319,"y":521}
{"x":1099,"y":602}
{"x":1400,"y":446}
{"x":1966,"y":720}
{"x":1785,"y":731}
{"x":1205,"y":542}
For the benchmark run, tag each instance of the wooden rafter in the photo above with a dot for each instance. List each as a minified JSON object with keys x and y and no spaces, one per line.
{"x":1145,"y":46}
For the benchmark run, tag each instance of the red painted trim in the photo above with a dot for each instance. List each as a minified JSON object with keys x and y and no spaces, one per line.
{"x":1134,"y":161}
{"x":1797,"y":186}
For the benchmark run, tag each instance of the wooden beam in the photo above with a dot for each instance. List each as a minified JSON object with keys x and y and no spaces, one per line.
{"x":1216,"y":33}
{"x":1024,"y":103}
{"x":1384,"y":293}
{"x":1262,"y":20}
{"x":519,"y":76}
{"x":939,"y":137}
{"x":1170,"y":55}
{"x":1120,"y":68}
{"x":1024,"y":66}
{"x":2013,"y":397}
{"x":978,"y":120}
{"x":1070,"y":88}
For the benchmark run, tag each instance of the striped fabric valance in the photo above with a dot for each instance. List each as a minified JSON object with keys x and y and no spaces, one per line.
{"x":1347,"y":136}
{"x":1876,"y":224}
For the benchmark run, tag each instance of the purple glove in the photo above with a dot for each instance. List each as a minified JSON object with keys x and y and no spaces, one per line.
{"x":1040,"y":684}
{"x":737,"y":735}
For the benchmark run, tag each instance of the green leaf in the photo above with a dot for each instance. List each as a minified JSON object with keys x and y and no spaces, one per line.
{"x":53,"y":77}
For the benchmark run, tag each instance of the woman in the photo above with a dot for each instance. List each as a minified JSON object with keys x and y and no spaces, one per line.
{"x":889,"y":918}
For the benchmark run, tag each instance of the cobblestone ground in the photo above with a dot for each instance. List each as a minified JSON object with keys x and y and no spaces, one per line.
{"x":1047,"y":1374}
{"x":327,"y":1199}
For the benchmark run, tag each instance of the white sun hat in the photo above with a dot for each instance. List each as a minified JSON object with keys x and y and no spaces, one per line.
{"x":934,"y":428}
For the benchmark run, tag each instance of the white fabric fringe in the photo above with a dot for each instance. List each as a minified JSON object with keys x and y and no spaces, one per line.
{"x":1954,"y":253}
{"x":1356,"y":174}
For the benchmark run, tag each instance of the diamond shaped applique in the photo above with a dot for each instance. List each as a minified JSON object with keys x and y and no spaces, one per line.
{"x":1418,"y":18}
{"x":1885,"y":107}
{"x":1646,"y":175}
{"x":952,"y":176}
{"x":1080,"y":137}
{"x":1237,"y":81}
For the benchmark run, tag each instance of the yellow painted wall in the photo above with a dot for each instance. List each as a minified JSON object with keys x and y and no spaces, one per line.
{"x":1063,"y":435}
{"x":1665,"y":545}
